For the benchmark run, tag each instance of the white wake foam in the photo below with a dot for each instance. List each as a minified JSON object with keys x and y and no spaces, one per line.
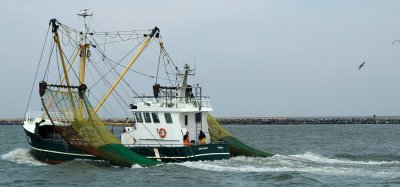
{"x":21,"y":156}
{"x":320,"y":159}
{"x":305,"y":163}
{"x":137,"y":166}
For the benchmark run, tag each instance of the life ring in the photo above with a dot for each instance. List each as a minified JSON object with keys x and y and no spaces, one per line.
{"x":162,"y":132}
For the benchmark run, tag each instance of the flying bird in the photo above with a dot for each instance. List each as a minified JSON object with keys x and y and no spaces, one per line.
{"x":361,"y":65}
{"x":395,"y":41}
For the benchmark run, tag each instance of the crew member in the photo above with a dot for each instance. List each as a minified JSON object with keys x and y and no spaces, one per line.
{"x":186,"y":139}
{"x":202,"y":137}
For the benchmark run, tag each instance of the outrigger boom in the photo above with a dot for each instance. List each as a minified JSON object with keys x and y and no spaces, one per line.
{"x":154,"y":32}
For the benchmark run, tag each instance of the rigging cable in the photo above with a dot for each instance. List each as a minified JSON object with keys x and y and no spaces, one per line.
{"x":163,"y":54}
{"x":69,"y":64}
{"x":117,"y":41}
{"x":159,"y":61}
{"x":119,"y":64}
{"x":65,"y":30}
{"x":109,"y":84}
{"x":111,"y":60}
{"x":72,"y":54}
{"x":165,"y":67}
{"x":48,"y":63}
{"x":37,"y":70}
{"x":65,"y":34}
{"x":112,"y":68}
{"x":166,"y":71}
{"x":117,"y":74}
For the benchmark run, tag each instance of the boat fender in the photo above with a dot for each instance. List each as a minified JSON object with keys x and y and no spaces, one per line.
{"x":162,"y":133}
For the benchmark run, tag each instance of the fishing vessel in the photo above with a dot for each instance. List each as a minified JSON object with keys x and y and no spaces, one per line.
{"x":163,"y":127}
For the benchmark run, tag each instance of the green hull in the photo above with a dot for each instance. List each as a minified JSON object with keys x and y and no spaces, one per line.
{"x":54,"y":152}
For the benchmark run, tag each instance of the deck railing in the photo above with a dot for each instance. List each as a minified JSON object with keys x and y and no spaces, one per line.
{"x":170,"y":145}
{"x":33,"y":115}
{"x":168,"y":101}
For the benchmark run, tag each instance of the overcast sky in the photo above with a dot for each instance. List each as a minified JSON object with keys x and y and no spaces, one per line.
{"x":253,"y":58}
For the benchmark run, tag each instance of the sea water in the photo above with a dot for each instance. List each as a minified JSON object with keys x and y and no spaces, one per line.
{"x":305,"y":155}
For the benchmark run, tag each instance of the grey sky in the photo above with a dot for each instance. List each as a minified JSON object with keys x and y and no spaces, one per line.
{"x":254,"y":58}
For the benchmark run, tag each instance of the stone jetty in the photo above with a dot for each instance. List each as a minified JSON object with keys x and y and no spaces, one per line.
{"x":308,"y":120}
{"x":115,"y":121}
{"x":268,"y":120}
{"x":16,"y":121}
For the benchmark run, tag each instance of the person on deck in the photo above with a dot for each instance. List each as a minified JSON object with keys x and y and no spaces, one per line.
{"x":186,"y":139}
{"x":202,"y":137}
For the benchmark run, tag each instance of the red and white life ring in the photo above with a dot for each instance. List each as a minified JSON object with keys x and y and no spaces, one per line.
{"x":162,"y":133}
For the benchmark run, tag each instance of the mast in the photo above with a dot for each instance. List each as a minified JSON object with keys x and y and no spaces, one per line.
{"x":83,"y":50}
{"x":154,"y":32}
{"x":183,"y":85}
{"x":83,"y":46}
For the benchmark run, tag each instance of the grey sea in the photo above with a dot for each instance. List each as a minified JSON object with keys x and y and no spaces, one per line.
{"x":305,"y":155}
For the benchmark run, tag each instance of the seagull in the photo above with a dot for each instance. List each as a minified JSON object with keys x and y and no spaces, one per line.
{"x":395,"y":41}
{"x":361,"y":65}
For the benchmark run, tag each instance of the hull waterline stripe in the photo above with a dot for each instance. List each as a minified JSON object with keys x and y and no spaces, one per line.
{"x":192,"y":156}
{"x":64,"y":153}
{"x":154,"y":157}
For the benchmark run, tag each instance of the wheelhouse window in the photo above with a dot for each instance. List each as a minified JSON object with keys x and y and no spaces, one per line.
{"x":168,"y":117}
{"x":147,"y":117}
{"x":138,"y":116}
{"x":155,"y":118}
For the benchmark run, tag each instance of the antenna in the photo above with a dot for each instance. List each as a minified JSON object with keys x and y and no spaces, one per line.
{"x":85,"y":30}
{"x":194,"y":69}
{"x":84,"y":13}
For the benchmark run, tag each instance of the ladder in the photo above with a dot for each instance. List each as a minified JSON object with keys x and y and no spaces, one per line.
{"x":199,"y":123}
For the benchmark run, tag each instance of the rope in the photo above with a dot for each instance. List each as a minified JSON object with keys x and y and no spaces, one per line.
{"x":122,"y":40}
{"x":37,"y":70}
{"x":69,"y":63}
{"x":165,"y":66}
{"x":158,"y":65}
{"x":109,"y":85}
{"x":66,"y":33}
{"x":111,"y":60}
{"x":48,"y":62}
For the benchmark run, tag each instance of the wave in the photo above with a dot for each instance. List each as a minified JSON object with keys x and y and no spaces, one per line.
{"x":21,"y":156}
{"x":369,"y":157}
{"x":304,"y":163}
{"x":307,"y":163}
